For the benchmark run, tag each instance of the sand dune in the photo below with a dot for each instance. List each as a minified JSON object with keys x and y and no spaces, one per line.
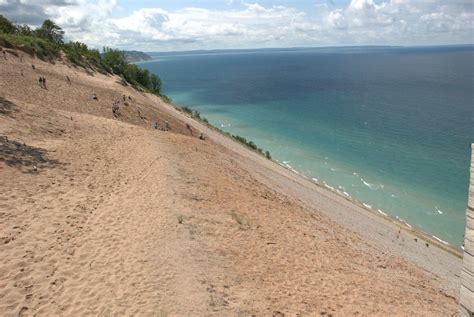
{"x":106,"y":216}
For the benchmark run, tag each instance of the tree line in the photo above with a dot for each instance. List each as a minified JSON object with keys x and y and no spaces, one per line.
{"x":47,"y":42}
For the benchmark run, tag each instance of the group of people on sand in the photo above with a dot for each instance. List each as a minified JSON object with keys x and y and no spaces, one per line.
{"x":42,"y":82}
{"x":115,"y":105}
{"x":166,"y":127}
{"x":42,"y":79}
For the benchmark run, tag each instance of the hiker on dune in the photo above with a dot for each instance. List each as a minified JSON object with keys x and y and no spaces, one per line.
{"x":115,"y":109}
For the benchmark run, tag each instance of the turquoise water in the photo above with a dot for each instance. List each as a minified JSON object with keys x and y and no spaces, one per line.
{"x":389,"y":127}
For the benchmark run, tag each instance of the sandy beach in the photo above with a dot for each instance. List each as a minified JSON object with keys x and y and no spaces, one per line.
{"x":105,"y":215}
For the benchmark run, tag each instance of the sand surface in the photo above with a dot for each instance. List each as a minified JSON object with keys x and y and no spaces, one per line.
{"x":118,"y":218}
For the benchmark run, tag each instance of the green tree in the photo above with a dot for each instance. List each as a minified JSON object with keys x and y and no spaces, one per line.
{"x":155,"y":83}
{"x":80,"y":54}
{"x":6,"y":26}
{"x":24,"y":30}
{"x":115,"y":60}
{"x":51,"y":31}
{"x":143,"y":77}
{"x":131,"y":73}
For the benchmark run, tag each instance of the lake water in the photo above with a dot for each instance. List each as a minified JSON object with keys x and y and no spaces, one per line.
{"x":389,"y":127}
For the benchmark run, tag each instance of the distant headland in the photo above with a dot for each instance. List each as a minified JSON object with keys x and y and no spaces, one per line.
{"x":136,"y":56}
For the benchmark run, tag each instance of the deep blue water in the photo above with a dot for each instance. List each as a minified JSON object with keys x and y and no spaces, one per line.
{"x":389,"y":127}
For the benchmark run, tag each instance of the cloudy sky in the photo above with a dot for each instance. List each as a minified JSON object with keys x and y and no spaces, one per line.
{"x":163,"y":25}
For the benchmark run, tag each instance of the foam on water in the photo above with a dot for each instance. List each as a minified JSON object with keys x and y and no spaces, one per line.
{"x":328,"y":186}
{"x":372,"y":186}
{"x":442,"y":241}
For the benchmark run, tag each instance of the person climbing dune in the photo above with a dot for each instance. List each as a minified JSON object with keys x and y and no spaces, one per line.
{"x":189,"y":128}
{"x":115,"y":109}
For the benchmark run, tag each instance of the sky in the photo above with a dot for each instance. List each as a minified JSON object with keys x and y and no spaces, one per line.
{"x":178,"y":25}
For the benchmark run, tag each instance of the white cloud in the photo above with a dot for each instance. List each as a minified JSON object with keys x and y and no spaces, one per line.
{"x":337,"y":19}
{"x":253,"y":25}
{"x":403,"y":22}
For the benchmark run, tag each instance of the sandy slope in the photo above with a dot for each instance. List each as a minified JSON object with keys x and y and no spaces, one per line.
{"x":120,"y":218}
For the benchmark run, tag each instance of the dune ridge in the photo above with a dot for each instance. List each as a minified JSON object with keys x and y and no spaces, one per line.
{"x":104,"y":215}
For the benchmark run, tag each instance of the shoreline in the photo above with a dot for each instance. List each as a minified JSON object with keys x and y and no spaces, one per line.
{"x":440,"y":243}
{"x":428,"y":237}
{"x":443,"y":260}
{"x":440,"y":235}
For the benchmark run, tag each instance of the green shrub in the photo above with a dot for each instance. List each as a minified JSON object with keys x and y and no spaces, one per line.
{"x":78,"y":53}
{"x":197,"y":114}
{"x":249,"y":144}
{"x":115,"y":60}
{"x":24,"y":30}
{"x":31,"y":45}
{"x":187,"y":110}
{"x":6,"y":26}
{"x":166,"y":99}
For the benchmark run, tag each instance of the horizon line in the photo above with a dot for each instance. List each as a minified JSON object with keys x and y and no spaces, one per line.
{"x":305,"y":47}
